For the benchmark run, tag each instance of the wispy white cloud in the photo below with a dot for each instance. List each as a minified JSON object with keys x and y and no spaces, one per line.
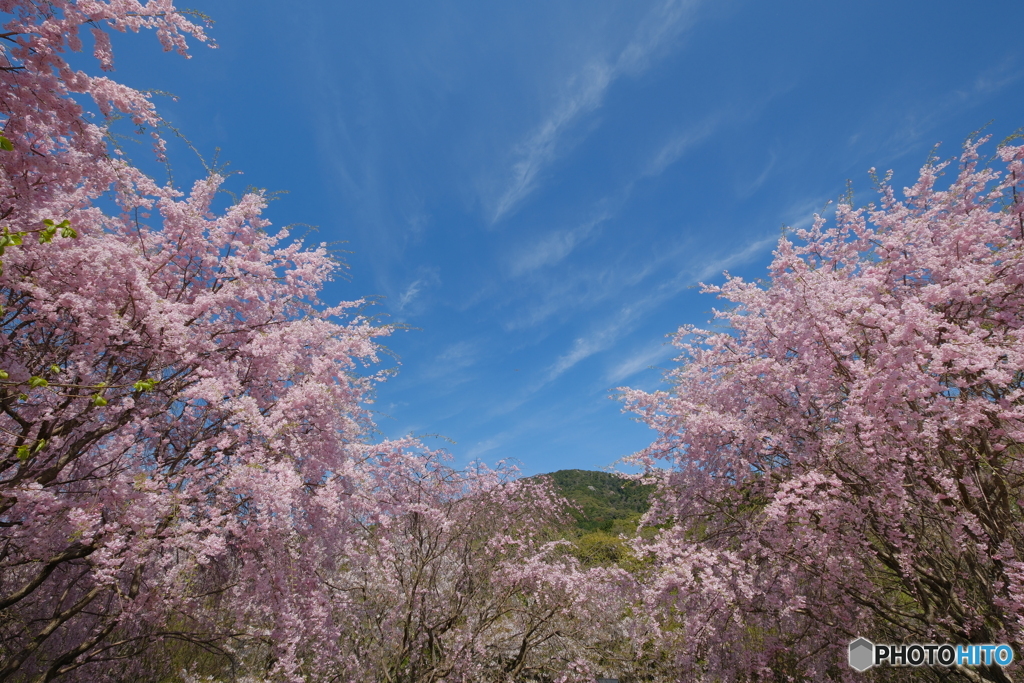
{"x":411,"y":292}
{"x":410,"y":297}
{"x":581,"y":288}
{"x":799,"y":214}
{"x":549,"y":251}
{"x":895,"y":129}
{"x":538,"y":150}
{"x":585,"y":92}
{"x":639,"y":360}
{"x":481,"y":447}
{"x":460,"y":354}
{"x":450,"y":363}
{"x":586,"y":287}
{"x":554,"y":247}
{"x":655,"y":34}
{"x":584,"y":347}
{"x":678,"y":145}
{"x":995,"y":78}
{"x":748,"y":188}
{"x":607,"y":336}
{"x":717,"y":267}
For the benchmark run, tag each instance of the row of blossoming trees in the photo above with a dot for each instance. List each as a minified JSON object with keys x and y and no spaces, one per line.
{"x":847,"y":460}
{"x":189,"y":487}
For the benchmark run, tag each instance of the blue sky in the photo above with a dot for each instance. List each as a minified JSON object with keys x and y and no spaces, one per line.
{"x":534,"y":188}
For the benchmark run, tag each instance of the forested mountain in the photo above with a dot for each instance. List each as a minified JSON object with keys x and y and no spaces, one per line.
{"x":605,"y":509}
{"x":607,"y":502}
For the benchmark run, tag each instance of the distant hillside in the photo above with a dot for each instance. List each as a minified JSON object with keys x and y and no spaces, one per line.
{"x":607,"y":501}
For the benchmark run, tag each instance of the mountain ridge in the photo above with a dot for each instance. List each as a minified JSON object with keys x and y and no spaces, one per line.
{"x":603,"y":501}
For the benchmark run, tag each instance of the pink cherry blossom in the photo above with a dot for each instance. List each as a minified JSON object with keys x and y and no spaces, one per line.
{"x":846,"y":460}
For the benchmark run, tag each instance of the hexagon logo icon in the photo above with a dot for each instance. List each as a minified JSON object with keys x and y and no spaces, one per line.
{"x":862,"y":654}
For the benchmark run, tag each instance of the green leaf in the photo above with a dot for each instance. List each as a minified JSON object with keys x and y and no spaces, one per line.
{"x":145,"y":385}
{"x":46,"y":235}
{"x":12,"y":239}
{"x":40,"y":445}
{"x":99,"y":401}
{"x":68,"y":231}
{"x":5,"y":144}
{"x":55,"y":369}
{"x":3,"y":374}
{"x":37,"y":382}
{"x":48,"y":223}
{"x":24,"y":453}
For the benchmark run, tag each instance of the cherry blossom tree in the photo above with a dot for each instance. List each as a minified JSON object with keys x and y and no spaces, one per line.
{"x":189,"y":480}
{"x":411,"y":572}
{"x":847,"y":459}
{"x":171,"y":388}
{"x":468,"y":582}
